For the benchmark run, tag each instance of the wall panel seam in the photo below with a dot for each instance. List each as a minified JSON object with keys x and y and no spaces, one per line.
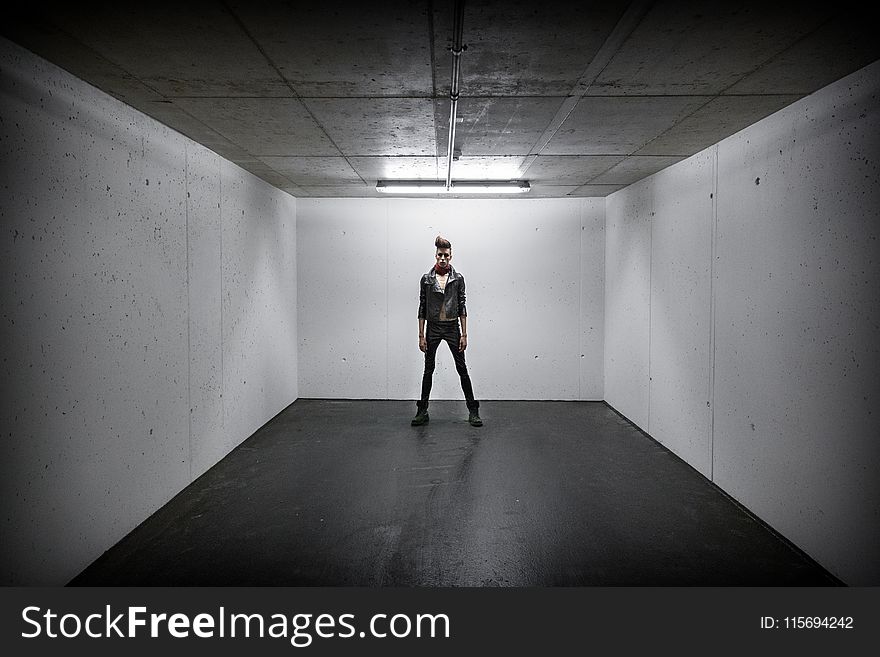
{"x":580,"y":361}
{"x":387,"y":345}
{"x":189,"y":381}
{"x":220,"y":266}
{"x":650,"y":300}
{"x":712,"y":256}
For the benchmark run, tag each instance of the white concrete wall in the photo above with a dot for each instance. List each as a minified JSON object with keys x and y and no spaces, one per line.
{"x":627,"y":301}
{"x":763,"y":301}
{"x":148,"y":320}
{"x":534,"y":271}
{"x":258,"y":310}
{"x":797,"y":356}
{"x":679,"y":413}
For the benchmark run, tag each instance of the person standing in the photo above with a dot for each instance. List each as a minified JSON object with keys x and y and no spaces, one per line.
{"x":442,"y":308}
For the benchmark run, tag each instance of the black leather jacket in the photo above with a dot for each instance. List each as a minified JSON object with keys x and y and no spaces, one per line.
{"x":431,"y":299}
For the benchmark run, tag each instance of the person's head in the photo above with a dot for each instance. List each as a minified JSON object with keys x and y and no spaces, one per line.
{"x":444,"y":253}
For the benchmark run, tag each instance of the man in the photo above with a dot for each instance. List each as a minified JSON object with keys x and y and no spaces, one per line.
{"x":442,"y":306}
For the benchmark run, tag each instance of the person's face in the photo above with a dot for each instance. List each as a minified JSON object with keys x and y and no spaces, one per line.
{"x":443,"y":257}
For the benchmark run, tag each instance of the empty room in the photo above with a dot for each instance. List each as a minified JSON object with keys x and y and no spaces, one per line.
{"x":440,"y":294}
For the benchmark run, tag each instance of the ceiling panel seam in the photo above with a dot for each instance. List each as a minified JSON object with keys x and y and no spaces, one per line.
{"x":431,"y":50}
{"x":293,"y":90}
{"x":141,"y":105}
{"x":775,"y":56}
{"x":721,"y":93}
{"x":621,"y":32}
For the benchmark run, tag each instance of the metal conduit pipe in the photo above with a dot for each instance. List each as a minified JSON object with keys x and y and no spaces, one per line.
{"x":457,"y":48}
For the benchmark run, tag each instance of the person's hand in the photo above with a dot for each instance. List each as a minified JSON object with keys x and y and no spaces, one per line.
{"x":462,"y":344}
{"x":423,"y":344}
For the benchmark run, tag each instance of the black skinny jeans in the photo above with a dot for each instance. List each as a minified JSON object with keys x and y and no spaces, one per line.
{"x":449,"y":332}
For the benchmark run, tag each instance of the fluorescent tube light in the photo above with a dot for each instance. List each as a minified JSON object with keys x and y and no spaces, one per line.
{"x":463,"y":187}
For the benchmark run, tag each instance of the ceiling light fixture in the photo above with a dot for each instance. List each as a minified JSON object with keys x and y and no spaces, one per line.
{"x":463,"y":187}
{"x":439,"y":188}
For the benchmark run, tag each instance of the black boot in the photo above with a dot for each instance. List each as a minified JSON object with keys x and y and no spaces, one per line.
{"x":474,"y":415}
{"x":421,"y":416}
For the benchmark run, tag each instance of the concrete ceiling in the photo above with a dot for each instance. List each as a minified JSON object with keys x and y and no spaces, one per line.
{"x":579,"y":98}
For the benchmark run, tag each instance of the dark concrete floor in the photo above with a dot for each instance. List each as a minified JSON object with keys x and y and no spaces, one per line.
{"x":334,"y":492}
